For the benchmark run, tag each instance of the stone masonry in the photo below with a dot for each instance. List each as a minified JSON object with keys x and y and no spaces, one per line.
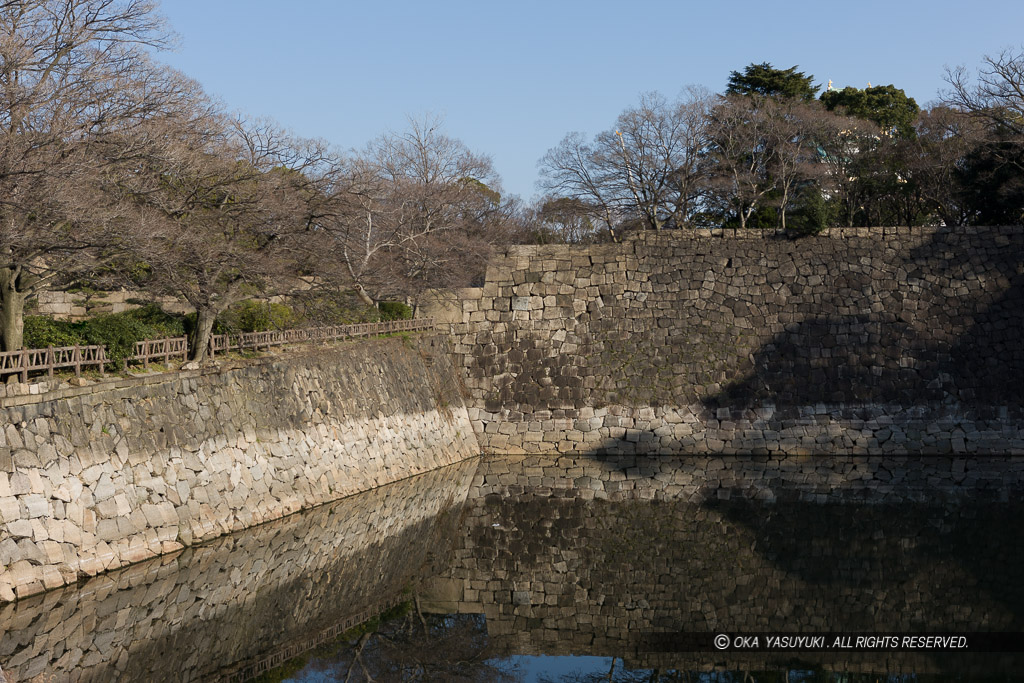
{"x":81,"y":306}
{"x":865,"y":340}
{"x":96,"y":477}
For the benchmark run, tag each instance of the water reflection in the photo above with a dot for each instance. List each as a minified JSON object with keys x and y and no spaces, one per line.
{"x":245,"y":602}
{"x":409,"y":646}
{"x":594,"y":556}
{"x":567,"y":569}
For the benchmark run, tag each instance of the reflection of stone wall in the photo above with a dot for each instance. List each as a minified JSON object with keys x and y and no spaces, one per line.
{"x":243,"y":601}
{"x":95,"y":477}
{"x":869,"y":480}
{"x":864,"y":340}
{"x":590,"y":555}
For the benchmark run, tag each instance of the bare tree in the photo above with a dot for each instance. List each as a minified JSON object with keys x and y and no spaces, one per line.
{"x":220,"y":211}
{"x":415,"y":210}
{"x":744,"y":148}
{"x":764,"y":152}
{"x":998,"y":94}
{"x":846,"y":145}
{"x":997,"y":98}
{"x":796,"y":129}
{"x":569,"y":171}
{"x":936,"y":158}
{"x":646,"y":169}
{"x":74,"y":77}
{"x":565,"y":220}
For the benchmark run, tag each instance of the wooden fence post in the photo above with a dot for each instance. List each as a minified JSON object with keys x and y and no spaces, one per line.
{"x":78,"y":356}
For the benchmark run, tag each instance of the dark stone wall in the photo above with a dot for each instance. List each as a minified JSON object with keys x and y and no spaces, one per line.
{"x":916,"y":326}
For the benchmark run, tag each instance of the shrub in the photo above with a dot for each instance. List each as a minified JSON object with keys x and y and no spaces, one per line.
{"x":334,"y":308}
{"x":395,"y":310}
{"x":117,"y":331}
{"x":41,"y":331}
{"x":159,"y":322}
{"x":256,"y":316}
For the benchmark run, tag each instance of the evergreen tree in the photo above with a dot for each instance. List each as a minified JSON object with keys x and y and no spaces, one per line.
{"x":763,"y":79}
{"x":886,"y":105}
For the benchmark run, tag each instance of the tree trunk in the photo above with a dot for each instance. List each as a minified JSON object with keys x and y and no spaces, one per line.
{"x":205,"y":317}
{"x":782,"y":208}
{"x":364,"y":296}
{"x":850,"y":212}
{"x":12,"y":312}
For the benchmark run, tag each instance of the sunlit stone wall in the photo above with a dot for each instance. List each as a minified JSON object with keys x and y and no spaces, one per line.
{"x":861,"y":340}
{"x":96,"y":477}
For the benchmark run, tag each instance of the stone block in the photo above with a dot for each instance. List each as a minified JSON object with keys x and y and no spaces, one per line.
{"x":34,"y":506}
{"x":19,"y":528}
{"x":10,"y":509}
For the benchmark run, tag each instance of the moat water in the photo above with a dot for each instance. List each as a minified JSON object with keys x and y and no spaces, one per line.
{"x":572,"y":570}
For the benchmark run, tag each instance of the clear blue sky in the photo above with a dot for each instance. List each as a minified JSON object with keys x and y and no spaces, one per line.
{"x":511,"y":79}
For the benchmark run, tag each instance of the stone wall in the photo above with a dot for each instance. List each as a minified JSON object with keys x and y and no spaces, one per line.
{"x":82,"y":305}
{"x":96,"y":477}
{"x":866,"y":340}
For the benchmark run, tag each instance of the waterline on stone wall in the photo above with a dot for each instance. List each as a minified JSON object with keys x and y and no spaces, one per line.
{"x":229,"y":605}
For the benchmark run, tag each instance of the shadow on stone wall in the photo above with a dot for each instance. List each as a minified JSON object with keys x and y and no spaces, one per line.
{"x":946,"y":327}
{"x":873,"y":340}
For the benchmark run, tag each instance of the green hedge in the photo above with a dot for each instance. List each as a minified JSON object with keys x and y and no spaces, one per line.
{"x":117,"y":331}
{"x":394,"y":310}
{"x":256,"y":316}
{"x":41,"y":331}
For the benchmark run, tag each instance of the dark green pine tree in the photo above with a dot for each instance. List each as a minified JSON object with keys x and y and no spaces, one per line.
{"x":765,"y":80}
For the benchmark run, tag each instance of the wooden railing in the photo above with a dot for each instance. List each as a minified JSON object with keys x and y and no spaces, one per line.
{"x":77,"y":357}
{"x":52,"y":358}
{"x":220,"y":343}
{"x":165,"y":349}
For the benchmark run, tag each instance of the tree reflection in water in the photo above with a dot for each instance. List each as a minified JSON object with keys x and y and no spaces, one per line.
{"x":617,"y":673}
{"x":404,"y":645}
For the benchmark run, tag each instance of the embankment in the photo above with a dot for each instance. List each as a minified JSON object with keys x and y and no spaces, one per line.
{"x":96,"y":477}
